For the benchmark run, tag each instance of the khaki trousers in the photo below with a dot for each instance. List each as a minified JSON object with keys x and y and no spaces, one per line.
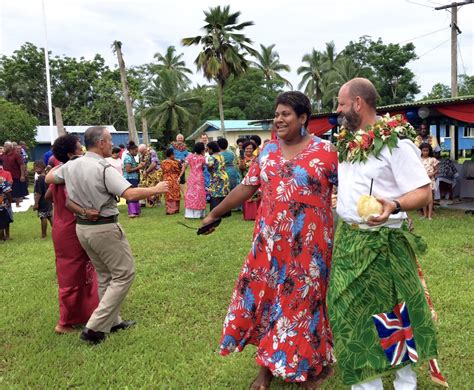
{"x":110,"y":252}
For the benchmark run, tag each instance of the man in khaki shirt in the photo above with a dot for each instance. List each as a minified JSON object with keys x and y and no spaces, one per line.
{"x":93,"y":184}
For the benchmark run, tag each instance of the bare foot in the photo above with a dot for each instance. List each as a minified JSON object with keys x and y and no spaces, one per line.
{"x":314,"y":382}
{"x":263,"y":380}
{"x":60,"y":329}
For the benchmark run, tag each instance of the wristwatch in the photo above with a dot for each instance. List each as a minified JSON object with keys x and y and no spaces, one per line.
{"x":398,"y":208}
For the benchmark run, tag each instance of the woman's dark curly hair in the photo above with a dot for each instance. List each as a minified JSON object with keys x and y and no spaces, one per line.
{"x":63,"y":145}
{"x":249,"y":143}
{"x":298,"y":101}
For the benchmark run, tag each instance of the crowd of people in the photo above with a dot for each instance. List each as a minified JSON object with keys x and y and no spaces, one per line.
{"x":303,"y":297}
{"x":214,"y":169}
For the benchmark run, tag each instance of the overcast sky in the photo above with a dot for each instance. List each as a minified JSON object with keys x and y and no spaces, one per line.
{"x":82,"y":28}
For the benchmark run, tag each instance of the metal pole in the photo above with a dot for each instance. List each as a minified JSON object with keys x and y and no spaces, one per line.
{"x":48,"y":79}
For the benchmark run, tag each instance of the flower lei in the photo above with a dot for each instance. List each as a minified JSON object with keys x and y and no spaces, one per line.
{"x":356,"y":147}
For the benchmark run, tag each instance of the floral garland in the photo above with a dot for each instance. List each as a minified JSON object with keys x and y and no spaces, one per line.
{"x":357,"y":146}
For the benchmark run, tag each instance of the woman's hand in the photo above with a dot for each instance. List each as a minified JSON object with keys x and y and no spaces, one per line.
{"x":206,"y":221}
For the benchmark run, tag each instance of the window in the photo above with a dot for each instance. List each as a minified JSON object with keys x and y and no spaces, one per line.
{"x":468,"y":132}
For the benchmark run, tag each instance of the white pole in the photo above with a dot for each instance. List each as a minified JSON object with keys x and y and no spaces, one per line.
{"x":48,"y":80}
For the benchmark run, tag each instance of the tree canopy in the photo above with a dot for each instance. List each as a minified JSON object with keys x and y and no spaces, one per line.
{"x":16,"y":124}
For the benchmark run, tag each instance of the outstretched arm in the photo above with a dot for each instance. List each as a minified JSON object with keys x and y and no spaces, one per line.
{"x":139,"y":193}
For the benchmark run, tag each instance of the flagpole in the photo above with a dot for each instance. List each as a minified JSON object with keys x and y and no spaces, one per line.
{"x":48,"y":79}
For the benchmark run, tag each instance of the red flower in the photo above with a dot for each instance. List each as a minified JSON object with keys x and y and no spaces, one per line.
{"x":371,"y":134}
{"x":366,"y":141}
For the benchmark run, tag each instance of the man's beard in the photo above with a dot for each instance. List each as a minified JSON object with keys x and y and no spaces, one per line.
{"x":351,"y":120}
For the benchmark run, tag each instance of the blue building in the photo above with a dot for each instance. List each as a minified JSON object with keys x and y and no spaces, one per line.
{"x":45,"y":137}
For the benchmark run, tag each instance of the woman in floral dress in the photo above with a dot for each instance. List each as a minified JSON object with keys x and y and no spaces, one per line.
{"x":151,"y":174}
{"x":219,"y":180}
{"x":279,"y":301}
{"x":171,"y":169}
{"x":250,"y":206}
{"x":195,"y":196}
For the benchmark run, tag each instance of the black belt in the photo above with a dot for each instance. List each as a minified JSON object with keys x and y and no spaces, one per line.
{"x":100,"y":221}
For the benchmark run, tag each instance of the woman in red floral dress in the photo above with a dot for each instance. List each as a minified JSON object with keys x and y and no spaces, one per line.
{"x":77,"y":279}
{"x":279,"y":302}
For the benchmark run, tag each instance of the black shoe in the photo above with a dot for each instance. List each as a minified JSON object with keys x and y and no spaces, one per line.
{"x":123,"y":325}
{"x":91,"y":336}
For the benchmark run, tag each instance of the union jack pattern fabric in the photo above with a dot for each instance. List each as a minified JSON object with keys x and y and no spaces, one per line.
{"x":396,"y":335}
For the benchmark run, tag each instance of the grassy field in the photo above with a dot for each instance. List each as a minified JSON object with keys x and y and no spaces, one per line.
{"x":179,"y":299}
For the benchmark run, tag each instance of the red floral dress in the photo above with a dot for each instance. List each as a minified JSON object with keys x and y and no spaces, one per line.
{"x":279,"y":301}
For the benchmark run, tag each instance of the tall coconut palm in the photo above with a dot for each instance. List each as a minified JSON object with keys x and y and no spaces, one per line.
{"x":268,"y":61}
{"x":174,"y":63}
{"x":170,"y":106}
{"x":330,"y":56}
{"x":312,"y":78}
{"x":223,"y":49}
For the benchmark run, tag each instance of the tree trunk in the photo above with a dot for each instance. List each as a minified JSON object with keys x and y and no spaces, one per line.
{"x":132,"y":130}
{"x":146,"y":140}
{"x":59,"y":121}
{"x":220,"y":96}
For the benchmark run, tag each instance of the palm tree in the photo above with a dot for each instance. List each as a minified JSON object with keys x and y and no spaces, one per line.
{"x":170,"y":106}
{"x":330,"y":56}
{"x":268,"y":61}
{"x":172,"y":62}
{"x":312,"y":76}
{"x":223,"y":49}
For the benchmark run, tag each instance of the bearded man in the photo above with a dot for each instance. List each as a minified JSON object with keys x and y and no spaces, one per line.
{"x":378,"y":312}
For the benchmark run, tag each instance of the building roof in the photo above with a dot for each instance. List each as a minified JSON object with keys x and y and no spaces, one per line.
{"x":44,"y":136}
{"x":230,"y":126}
{"x":420,"y":103}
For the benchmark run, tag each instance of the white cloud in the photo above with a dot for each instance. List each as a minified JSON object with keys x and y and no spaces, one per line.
{"x":85,"y":27}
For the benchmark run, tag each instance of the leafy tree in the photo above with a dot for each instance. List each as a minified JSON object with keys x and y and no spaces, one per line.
{"x":16,"y":124}
{"x":249,"y":96}
{"x":465,"y":88}
{"x":87,"y":91}
{"x":174,"y":63}
{"x":268,"y":61}
{"x":23,"y":80}
{"x":223,"y":49}
{"x":171,"y":108}
{"x":386,"y":67}
{"x":465,"y":85}
{"x":438,"y":91}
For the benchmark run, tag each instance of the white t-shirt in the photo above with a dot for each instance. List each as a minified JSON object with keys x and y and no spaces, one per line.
{"x":394,"y":174}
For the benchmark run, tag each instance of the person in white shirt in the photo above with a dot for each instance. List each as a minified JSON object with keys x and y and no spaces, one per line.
{"x":115,"y":159}
{"x":374,"y":275}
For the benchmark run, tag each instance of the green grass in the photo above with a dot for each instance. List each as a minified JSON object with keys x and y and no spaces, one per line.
{"x":179,"y":298}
